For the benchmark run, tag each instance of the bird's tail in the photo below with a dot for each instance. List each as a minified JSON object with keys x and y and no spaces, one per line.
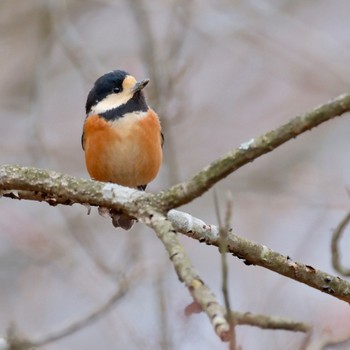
{"x":118,"y":219}
{"x":122,"y":220}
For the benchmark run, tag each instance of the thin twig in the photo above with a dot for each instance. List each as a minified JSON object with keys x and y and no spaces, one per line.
{"x":337,"y":234}
{"x":165,"y":329}
{"x":223,"y":234}
{"x":269,"y":322}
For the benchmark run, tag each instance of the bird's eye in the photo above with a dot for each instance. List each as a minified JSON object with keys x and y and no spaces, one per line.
{"x":116,"y":90}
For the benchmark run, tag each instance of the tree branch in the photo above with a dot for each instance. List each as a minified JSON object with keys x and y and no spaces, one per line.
{"x":223,"y":236}
{"x":269,"y":322}
{"x":58,"y":188}
{"x":185,"y":192}
{"x":55,"y":188}
{"x":187,"y":274}
{"x":257,"y":254}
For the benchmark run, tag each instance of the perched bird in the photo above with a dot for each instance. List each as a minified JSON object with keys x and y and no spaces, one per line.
{"x":122,"y":136}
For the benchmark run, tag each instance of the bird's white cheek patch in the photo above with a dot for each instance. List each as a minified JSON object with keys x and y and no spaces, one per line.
{"x":110,"y":102}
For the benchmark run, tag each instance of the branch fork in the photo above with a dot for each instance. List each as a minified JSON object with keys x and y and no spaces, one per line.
{"x":157,"y":210}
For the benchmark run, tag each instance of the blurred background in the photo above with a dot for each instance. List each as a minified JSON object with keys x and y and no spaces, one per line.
{"x":221,"y":73}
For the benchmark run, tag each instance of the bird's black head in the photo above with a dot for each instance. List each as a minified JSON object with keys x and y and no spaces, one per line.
{"x":114,"y":90}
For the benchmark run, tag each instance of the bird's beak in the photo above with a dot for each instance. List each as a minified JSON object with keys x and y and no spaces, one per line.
{"x":140,"y":85}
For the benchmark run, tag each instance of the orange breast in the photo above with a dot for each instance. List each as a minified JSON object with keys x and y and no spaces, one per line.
{"x":126,"y":151}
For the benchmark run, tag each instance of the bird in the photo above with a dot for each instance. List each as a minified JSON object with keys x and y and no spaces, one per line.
{"x":122,"y":136}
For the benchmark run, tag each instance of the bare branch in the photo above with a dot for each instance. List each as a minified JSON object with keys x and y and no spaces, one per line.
{"x":337,"y":234}
{"x":256,"y":254}
{"x":120,"y":198}
{"x":223,"y":237}
{"x":55,"y":188}
{"x":165,"y":326}
{"x":15,"y":182}
{"x":184,"y":192}
{"x":187,"y":274}
{"x":270,"y":322}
